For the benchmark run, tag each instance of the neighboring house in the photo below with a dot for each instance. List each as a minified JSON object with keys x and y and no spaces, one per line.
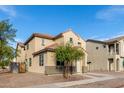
{"x":38,"y":52}
{"x":106,"y":55}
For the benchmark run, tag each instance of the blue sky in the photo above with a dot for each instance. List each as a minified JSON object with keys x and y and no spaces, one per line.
{"x":90,"y":22}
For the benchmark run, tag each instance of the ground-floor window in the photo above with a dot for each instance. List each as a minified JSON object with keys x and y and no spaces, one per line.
{"x":30,"y":62}
{"x":58,"y":63}
{"x":123,"y":62}
{"x":41,"y":59}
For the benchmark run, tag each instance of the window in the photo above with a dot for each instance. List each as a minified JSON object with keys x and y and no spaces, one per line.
{"x":30,"y":62}
{"x":24,"y":48}
{"x":123,"y":62}
{"x":104,"y":46}
{"x":71,"y":40}
{"x":27,"y":46}
{"x":43,"y":42}
{"x":117,"y":49}
{"x":97,"y":48}
{"x":58,"y":63}
{"x":79,"y":43}
{"x":26,"y":60}
{"x":41,"y":59}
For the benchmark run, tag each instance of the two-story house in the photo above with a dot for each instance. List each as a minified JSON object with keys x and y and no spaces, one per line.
{"x":38,"y":52}
{"x":106,"y":55}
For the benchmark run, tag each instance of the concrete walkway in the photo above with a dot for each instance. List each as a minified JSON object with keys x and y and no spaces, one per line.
{"x":93,"y":79}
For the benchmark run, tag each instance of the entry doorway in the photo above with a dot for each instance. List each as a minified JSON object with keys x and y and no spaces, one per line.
{"x":117,"y":65}
{"x":110,"y":64}
{"x":78,"y":66}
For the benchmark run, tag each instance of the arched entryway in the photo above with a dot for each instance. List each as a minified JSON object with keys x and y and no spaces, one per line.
{"x":117,"y":65}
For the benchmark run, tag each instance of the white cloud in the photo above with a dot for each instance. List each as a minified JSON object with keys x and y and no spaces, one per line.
{"x":19,"y":40}
{"x":9,"y":10}
{"x":117,"y":35}
{"x":93,"y":37}
{"x":103,"y":39}
{"x":111,"y":13}
{"x":112,"y":36}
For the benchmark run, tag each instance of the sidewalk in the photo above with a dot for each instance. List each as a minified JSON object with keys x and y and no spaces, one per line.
{"x":79,"y":82}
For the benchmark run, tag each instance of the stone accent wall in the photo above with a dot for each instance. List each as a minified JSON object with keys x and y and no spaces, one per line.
{"x":56,"y":70}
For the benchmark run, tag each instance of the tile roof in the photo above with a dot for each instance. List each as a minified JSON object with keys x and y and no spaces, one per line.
{"x":43,"y":50}
{"x":96,"y":41}
{"x":50,"y":48}
{"x":46,"y":36}
{"x":109,"y":41}
{"x":38,"y":35}
{"x":20,"y":44}
{"x":54,"y":45}
{"x":114,"y":39}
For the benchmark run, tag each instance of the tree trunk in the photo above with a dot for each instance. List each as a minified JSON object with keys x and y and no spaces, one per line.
{"x":1,"y":52}
{"x":71,"y":68}
{"x":66,"y":70}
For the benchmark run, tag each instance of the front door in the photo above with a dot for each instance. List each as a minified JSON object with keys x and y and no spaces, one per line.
{"x":78,"y":66}
{"x":117,"y":65}
{"x":110,"y":64}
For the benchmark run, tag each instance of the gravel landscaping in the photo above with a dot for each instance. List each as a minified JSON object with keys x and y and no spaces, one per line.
{"x":9,"y":80}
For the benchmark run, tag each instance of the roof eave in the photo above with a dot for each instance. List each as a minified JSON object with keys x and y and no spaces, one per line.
{"x":43,"y":50}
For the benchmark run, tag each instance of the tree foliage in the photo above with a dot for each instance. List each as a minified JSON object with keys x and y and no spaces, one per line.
{"x":7,"y":34}
{"x":68,"y":54}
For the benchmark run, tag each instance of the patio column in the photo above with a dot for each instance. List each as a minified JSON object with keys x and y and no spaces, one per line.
{"x":114,"y":48}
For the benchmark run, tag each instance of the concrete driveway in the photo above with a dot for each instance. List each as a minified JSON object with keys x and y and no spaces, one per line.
{"x":116,"y":82}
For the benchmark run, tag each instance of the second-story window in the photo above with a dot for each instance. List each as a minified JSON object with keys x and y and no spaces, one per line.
{"x":117,"y":48}
{"x":97,"y":48}
{"x":104,"y":46}
{"x":27,"y":46}
{"x":43,"y":42}
{"x":79,"y":43}
{"x":26,"y":60}
{"x":24,"y":48}
{"x":71,"y":40}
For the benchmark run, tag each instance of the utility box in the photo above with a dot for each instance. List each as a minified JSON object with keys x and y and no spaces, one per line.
{"x":14,"y":67}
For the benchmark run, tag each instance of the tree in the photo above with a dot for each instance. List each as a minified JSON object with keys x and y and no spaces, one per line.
{"x":7,"y":34}
{"x":68,"y":54}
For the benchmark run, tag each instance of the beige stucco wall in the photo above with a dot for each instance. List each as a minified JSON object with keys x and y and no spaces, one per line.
{"x":100,"y":58}
{"x":38,"y":43}
{"x":49,"y":60}
{"x":28,"y":53}
{"x":121,"y":48}
{"x":120,"y":57}
{"x":97,"y":57}
{"x":60,"y":41}
{"x":35,"y":64}
{"x":121,"y":64}
{"x":76,"y":39}
{"x":21,"y":53}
